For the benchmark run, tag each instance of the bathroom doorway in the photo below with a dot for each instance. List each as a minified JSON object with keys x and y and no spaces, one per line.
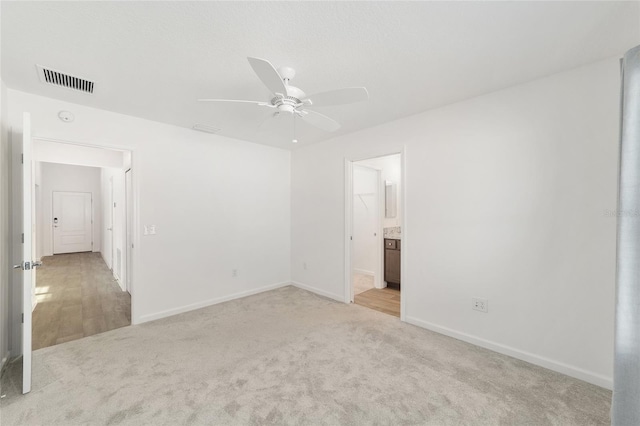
{"x":375,"y":240}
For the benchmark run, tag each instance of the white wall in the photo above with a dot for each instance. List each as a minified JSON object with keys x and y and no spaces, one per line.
{"x":390,"y":170}
{"x":505,"y":198}
{"x":218,"y":204}
{"x":67,"y":178}
{"x":5,"y":258}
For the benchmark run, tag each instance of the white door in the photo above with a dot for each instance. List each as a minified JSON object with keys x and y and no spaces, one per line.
{"x":72,"y":227}
{"x":23,"y":248}
{"x":129,"y":224}
{"x":366,"y":223}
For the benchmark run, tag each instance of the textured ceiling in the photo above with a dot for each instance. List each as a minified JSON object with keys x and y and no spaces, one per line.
{"x":153,"y":60}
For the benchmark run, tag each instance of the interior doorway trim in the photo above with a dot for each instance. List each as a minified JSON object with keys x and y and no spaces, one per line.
{"x":135,"y":212}
{"x":348,"y":225}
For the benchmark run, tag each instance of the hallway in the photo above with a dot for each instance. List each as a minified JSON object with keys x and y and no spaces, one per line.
{"x":77,"y":297}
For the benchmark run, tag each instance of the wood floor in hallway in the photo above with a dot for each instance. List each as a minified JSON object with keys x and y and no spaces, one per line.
{"x":385,"y":300}
{"x":77,"y":297}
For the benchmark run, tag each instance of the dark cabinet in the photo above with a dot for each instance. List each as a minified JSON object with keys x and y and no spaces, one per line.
{"x":392,"y":261}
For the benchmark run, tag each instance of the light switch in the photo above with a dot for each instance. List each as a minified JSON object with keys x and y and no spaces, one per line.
{"x":152,"y":230}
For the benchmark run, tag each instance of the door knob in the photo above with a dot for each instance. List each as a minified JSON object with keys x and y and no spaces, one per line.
{"x":17,"y":266}
{"x":36,"y":263}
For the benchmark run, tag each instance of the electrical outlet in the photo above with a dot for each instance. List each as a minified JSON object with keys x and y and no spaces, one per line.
{"x":479,"y":304}
{"x":234,"y":273}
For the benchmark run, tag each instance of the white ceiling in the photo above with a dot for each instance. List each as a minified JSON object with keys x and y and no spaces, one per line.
{"x":154,"y":59}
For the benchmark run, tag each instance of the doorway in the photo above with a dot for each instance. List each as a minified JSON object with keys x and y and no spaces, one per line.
{"x":80,"y":288}
{"x":374,"y":217}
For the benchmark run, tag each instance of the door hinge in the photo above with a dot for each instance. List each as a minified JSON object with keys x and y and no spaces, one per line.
{"x":22,"y":238}
{"x":23,"y":318}
{"x":22,"y":158}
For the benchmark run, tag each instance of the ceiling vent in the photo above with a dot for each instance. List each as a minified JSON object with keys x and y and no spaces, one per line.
{"x":61,"y":79}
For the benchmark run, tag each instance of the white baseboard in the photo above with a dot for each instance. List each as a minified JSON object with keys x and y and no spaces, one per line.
{"x":105,"y":259}
{"x":560,"y":367}
{"x":338,"y":297}
{"x":205,"y":303}
{"x":363,"y":272}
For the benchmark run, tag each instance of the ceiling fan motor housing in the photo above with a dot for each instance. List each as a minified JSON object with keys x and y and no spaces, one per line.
{"x":286,"y":103}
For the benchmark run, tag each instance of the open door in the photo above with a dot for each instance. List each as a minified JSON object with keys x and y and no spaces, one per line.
{"x":23,"y":247}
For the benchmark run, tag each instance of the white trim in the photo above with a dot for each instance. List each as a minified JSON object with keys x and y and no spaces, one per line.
{"x":560,"y":367}
{"x":363,"y":272}
{"x":205,"y":303}
{"x":315,"y":290}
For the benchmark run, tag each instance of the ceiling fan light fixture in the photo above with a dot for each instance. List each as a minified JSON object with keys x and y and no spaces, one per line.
{"x":292,"y":100}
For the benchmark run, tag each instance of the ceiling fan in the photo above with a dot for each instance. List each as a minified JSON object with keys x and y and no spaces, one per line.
{"x":291,"y":100}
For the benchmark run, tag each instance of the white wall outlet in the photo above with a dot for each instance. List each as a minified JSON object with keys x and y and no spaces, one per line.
{"x":479,"y":304}
{"x":152,"y":230}
{"x":234,"y":273}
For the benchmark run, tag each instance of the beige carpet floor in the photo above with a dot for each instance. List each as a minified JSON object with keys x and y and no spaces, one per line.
{"x":290,"y":357}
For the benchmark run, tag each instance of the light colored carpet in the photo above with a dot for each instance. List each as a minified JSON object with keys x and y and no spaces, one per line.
{"x":290,"y":357}
{"x":362,"y":283}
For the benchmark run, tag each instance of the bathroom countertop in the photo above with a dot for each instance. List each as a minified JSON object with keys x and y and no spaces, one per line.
{"x":393,"y":233}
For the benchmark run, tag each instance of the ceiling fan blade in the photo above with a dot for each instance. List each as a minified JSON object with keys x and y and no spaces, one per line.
{"x":268,"y":75}
{"x":347,"y":95}
{"x":321,"y":121}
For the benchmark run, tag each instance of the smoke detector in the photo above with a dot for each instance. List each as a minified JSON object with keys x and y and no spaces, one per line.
{"x":205,"y":128}
{"x":66,"y":116}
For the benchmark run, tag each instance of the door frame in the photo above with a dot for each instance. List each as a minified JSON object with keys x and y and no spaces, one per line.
{"x":134,"y":210}
{"x":112,"y":214}
{"x":128,"y":233}
{"x":348,"y":225}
